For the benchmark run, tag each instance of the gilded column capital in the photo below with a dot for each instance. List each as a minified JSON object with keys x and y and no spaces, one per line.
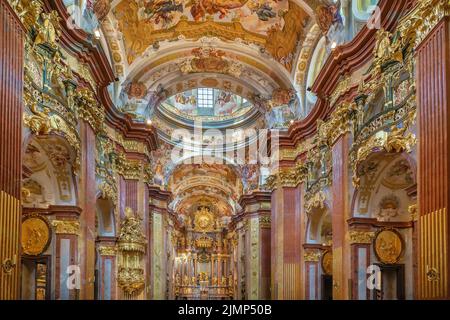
{"x":340,"y":123}
{"x":287,"y":177}
{"x":418,"y":23}
{"x":66,"y":227}
{"x":90,"y":110}
{"x":315,"y":201}
{"x":107,"y":250}
{"x":130,"y":169}
{"x":265,"y":221}
{"x":312,"y":255}
{"x":361,"y":236}
{"x":412,"y":209}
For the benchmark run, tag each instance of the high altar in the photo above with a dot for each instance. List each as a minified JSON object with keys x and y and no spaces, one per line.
{"x":203,"y":261}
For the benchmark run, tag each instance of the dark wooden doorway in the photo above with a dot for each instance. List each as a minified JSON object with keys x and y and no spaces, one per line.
{"x":327,"y":287}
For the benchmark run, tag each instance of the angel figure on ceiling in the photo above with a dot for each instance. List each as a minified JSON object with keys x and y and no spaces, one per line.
{"x":162,"y":11}
{"x":331,"y":23}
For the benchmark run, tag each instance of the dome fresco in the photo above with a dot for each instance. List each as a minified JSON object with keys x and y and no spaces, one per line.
{"x":207,"y":104}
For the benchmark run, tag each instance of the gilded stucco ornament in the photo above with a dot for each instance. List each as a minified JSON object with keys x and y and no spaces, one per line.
{"x":107,"y":250}
{"x":105,"y":175}
{"x":287,"y":177}
{"x":361,"y":236}
{"x":128,"y":168}
{"x":265,"y":221}
{"x":312,"y":255}
{"x":66,"y":226}
{"x":391,"y":129}
{"x":412,"y":210}
{"x":339,"y":123}
{"x":131,"y":246}
{"x":27,"y":11}
{"x":90,"y":110}
{"x":203,"y":220}
{"x":418,"y":23}
{"x":315,"y":201}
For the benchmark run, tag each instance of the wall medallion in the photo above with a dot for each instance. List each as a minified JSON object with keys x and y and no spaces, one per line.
{"x":388,"y":246}
{"x":36,"y":235}
{"x":327,"y":262}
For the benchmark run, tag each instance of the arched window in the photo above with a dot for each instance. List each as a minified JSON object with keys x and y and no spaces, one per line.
{"x":317,"y":61}
{"x":362,"y":9}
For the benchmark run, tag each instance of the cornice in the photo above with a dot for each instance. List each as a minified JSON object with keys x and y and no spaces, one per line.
{"x":371,"y":222}
{"x":79,"y":43}
{"x":255,"y":197}
{"x":59,"y":210}
{"x":155,"y":192}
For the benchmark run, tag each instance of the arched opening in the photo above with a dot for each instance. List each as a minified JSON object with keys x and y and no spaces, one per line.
{"x":318,"y":253}
{"x":384,"y":200}
{"x":48,"y":192}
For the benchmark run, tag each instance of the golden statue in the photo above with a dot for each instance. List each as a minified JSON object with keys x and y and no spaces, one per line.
{"x":48,"y":32}
{"x":224,"y":281}
{"x":185,"y":280}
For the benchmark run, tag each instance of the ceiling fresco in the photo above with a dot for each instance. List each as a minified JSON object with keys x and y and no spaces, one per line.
{"x":274,"y":26}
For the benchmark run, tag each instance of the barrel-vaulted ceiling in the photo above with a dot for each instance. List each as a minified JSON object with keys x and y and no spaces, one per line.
{"x":217,"y":184}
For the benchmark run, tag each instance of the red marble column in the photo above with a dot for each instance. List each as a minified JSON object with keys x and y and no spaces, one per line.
{"x":340,"y":214}
{"x":433,"y":89}
{"x":11,"y":104}
{"x":88,"y":203}
{"x":157,"y":247}
{"x":286,"y":243}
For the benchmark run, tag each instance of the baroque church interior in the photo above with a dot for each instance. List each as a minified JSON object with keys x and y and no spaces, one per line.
{"x":224,"y":149}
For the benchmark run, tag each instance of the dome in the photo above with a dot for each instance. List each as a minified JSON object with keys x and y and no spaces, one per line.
{"x":207,"y":104}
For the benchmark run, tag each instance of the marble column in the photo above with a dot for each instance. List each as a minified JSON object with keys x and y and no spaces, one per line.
{"x":157,"y":253}
{"x":433,"y":88}
{"x":339,"y":217}
{"x":286,"y":242}
{"x":107,"y":264}
{"x":361,"y":249}
{"x":11,"y":89}
{"x":256,"y":214}
{"x":312,"y":273}
{"x":88,"y":203}
{"x":68,"y":274}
